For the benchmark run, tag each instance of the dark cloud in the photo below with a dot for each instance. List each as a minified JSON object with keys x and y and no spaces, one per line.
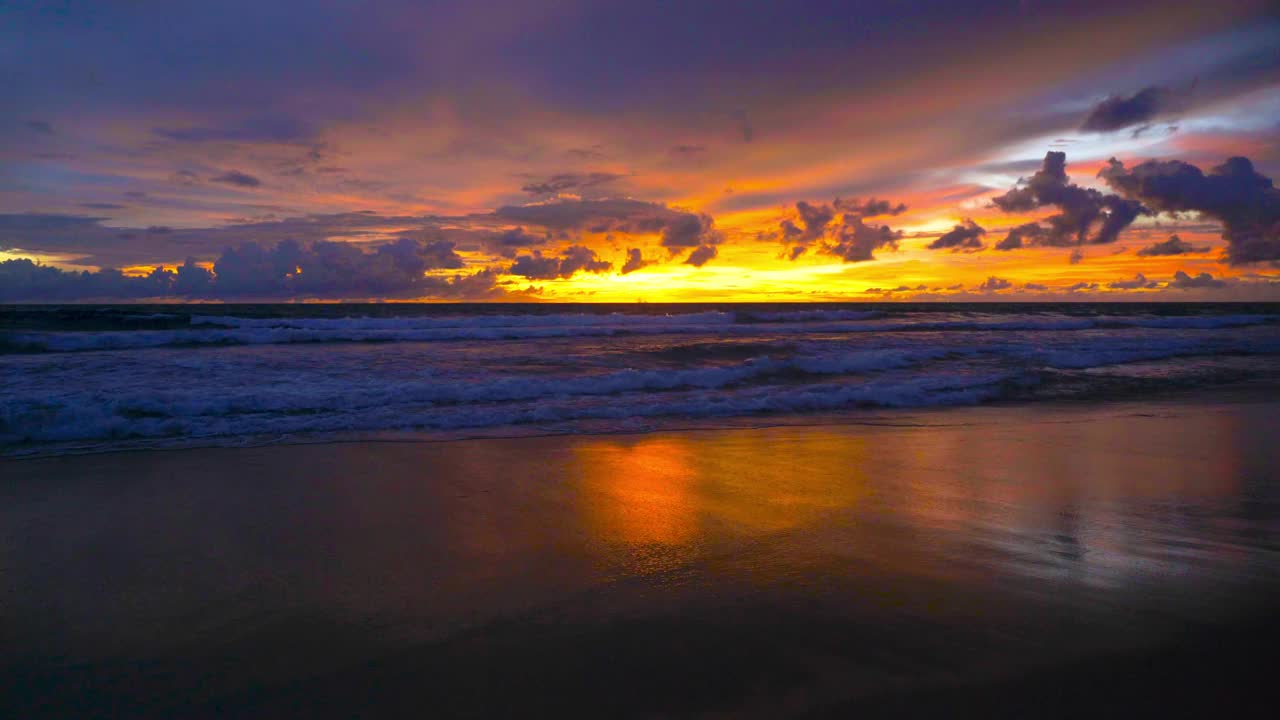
{"x":678,"y":228}
{"x":813,"y":222}
{"x":635,"y":261}
{"x":1022,"y":236}
{"x":331,"y":269}
{"x":1139,"y":282}
{"x":24,"y":280}
{"x":574,"y":259}
{"x":1035,"y":286}
{"x":966,"y":236}
{"x":102,"y":206}
{"x":856,"y":241}
{"x":1082,"y":209}
{"x":15,"y":225}
{"x":690,"y":230}
{"x":701,"y":255}
{"x":1173,"y":246}
{"x":870,"y":207}
{"x":508,"y":243}
{"x":1183,"y":281}
{"x":1076,"y":257}
{"x":235,"y":177}
{"x":570,"y":182}
{"x":838,"y":229}
{"x":1118,"y":112}
{"x":289,"y":269}
{"x":1243,"y":200}
{"x":93,"y":243}
{"x":995,"y":284}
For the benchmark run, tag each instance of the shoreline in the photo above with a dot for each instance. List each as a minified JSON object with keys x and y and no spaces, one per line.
{"x":1250,"y":391}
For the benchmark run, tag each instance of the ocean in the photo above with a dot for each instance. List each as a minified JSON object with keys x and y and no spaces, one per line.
{"x":91,"y":378}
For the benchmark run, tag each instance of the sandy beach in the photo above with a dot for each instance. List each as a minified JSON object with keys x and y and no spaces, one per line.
{"x":1050,"y":560}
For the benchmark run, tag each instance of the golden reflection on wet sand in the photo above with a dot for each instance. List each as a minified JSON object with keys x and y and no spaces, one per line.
{"x":1023,"y":524}
{"x":668,"y":500}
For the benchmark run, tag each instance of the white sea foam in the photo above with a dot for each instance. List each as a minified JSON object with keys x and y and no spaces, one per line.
{"x":123,"y":421}
{"x":562,"y":368}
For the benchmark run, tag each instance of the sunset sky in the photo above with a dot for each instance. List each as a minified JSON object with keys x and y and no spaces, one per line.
{"x":618,"y":150}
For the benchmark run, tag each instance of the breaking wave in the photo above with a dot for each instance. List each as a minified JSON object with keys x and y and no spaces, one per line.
{"x":101,"y":379}
{"x":231,"y":330}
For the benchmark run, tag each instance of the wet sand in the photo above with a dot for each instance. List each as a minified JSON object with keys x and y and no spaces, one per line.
{"x":1047,"y":561}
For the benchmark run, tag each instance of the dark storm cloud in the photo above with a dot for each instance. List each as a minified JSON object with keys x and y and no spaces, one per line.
{"x":1203,"y":281}
{"x":574,"y":259}
{"x":1022,"y":236}
{"x":1173,"y":246}
{"x":508,"y":243}
{"x":1118,"y":112}
{"x":635,"y":261}
{"x":701,"y":255}
{"x":690,"y":230}
{"x":24,"y":280}
{"x":855,"y":241}
{"x":92,"y":243}
{"x":95,"y":244}
{"x":286,"y":270}
{"x":677,"y":228}
{"x":838,"y":229}
{"x":331,"y":269}
{"x":1243,"y":200}
{"x":995,"y":284}
{"x":15,"y":225}
{"x":570,"y":182}
{"x":235,"y":177}
{"x":966,"y":236}
{"x":813,"y":222}
{"x":870,"y":207}
{"x":1082,"y":209}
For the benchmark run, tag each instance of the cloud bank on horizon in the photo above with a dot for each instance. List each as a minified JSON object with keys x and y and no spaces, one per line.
{"x":616,"y":150}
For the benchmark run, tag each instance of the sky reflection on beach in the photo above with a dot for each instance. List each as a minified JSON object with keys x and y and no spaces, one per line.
{"x":967,"y":502}
{"x":1037,"y":530}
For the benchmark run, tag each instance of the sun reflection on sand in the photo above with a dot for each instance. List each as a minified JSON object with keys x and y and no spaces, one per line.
{"x":639,"y":493}
{"x":657,"y":497}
